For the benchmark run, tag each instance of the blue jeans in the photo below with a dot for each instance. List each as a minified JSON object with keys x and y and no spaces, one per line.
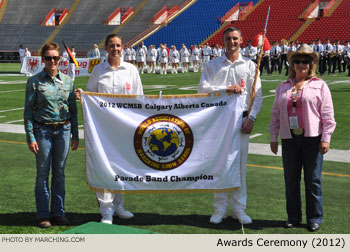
{"x":297,"y":153}
{"x":53,"y":150}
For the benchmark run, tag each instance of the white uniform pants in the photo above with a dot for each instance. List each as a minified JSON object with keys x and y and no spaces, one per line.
{"x":238,"y":197}
{"x":108,"y":202}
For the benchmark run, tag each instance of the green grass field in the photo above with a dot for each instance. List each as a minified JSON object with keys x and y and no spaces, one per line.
{"x":170,"y":213}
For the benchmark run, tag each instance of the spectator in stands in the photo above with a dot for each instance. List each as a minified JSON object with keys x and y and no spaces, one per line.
{"x":50,"y":118}
{"x":21,"y":52}
{"x":303,"y":115}
{"x":234,"y":74}
{"x":140,"y":58}
{"x":114,"y":77}
{"x":96,"y":52}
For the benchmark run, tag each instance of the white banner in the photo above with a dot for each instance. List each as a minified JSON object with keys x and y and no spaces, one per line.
{"x":33,"y":65}
{"x":169,"y":143}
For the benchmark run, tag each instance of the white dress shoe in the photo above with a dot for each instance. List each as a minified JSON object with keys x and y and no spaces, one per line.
{"x":122,"y":213}
{"x":107,"y":219}
{"x":217,"y":217}
{"x":242,"y":217}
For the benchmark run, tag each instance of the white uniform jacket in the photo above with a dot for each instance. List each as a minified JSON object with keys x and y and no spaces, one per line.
{"x":221,"y":72}
{"x":124,"y":80}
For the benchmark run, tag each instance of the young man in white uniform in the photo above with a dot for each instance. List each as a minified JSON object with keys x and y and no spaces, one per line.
{"x":114,"y":77}
{"x":234,"y":73}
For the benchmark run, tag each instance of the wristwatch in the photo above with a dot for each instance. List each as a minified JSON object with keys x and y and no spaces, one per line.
{"x":252,"y":118}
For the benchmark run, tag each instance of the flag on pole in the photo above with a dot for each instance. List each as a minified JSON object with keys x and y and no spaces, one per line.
{"x":258,"y":42}
{"x":71,"y":55}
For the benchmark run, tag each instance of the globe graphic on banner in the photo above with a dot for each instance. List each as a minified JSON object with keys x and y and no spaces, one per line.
{"x":163,"y":142}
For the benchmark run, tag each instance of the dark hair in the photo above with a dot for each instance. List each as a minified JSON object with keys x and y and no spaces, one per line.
{"x":232,"y":29}
{"x":49,"y":46}
{"x":113,"y":35}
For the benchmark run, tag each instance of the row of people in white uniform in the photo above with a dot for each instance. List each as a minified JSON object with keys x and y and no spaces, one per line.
{"x":170,"y":60}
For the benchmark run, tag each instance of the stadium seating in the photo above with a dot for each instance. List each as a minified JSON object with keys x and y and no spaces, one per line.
{"x":20,"y":23}
{"x":194,"y":25}
{"x":333,"y":27}
{"x":283,"y":21}
{"x":30,"y":12}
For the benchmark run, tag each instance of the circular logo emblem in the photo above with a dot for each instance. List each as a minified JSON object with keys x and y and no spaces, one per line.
{"x":163,"y":142}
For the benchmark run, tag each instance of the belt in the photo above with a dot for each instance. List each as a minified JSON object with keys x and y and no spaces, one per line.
{"x":245,"y":113}
{"x":54,"y":125}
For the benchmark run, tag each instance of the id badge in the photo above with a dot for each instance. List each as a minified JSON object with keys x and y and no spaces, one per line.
{"x":293,"y":122}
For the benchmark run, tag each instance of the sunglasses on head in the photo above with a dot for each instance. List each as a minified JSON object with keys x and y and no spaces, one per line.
{"x":50,"y":58}
{"x":305,"y":62}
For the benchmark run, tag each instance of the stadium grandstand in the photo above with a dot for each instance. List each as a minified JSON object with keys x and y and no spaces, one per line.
{"x":84,"y":23}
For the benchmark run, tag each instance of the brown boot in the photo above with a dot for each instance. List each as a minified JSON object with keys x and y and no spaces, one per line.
{"x":44,"y":223}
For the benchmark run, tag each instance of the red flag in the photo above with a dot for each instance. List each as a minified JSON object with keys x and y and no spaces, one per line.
{"x":257,"y":42}
{"x":71,"y":55}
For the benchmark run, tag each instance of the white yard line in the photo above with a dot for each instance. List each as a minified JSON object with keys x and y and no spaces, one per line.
{"x":8,"y":110}
{"x":12,"y":91}
{"x":14,"y":121}
{"x":255,"y":135}
{"x":268,"y":96}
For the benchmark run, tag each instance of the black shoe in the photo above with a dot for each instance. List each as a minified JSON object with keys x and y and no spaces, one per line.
{"x":313,"y":227}
{"x":292,"y":224}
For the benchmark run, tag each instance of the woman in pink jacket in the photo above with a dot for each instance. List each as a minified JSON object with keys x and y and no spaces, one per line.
{"x":303,"y":115}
